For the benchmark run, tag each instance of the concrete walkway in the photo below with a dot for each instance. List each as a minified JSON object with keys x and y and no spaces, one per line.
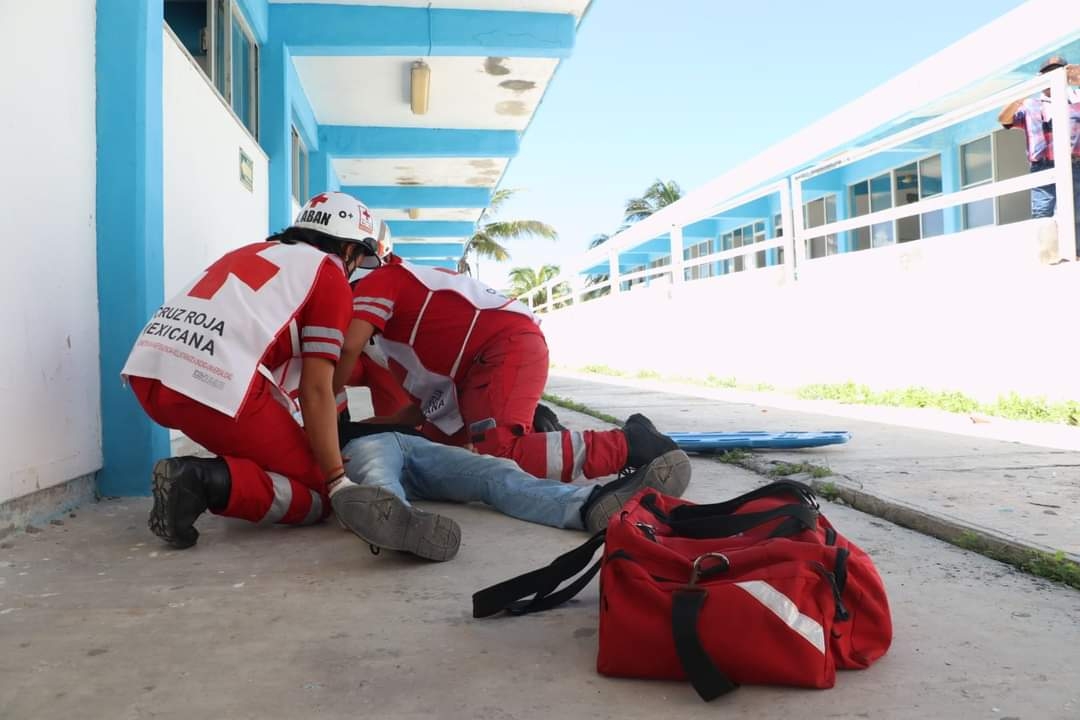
{"x":99,"y":620}
{"x":945,"y":483}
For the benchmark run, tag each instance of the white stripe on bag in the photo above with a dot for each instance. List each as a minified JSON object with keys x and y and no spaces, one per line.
{"x":554,"y":455}
{"x":282,"y":499}
{"x":783,"y":607}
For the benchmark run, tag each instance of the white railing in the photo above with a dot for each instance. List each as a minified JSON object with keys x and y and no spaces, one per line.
{"x":1061,"y":174}
{"x":790,"y":191}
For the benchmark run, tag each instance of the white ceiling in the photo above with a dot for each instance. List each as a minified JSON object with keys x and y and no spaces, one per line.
{"x":465,"y":92}
{"x":439,"y":172}
{"x":572,"y":7}
{"x":458,"y":214}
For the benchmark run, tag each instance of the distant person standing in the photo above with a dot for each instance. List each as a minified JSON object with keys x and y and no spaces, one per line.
{"x":1033,"y":116}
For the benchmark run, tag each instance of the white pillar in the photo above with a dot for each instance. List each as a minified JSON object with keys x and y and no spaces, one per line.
{"x":798,"y":233}
{"x":788,"y":227}
{"x":613,"y":272}
{"x":677,"y":273}
{"x":1065,"y":212}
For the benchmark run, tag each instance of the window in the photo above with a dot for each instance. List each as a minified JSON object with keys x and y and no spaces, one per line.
{"x":299,"y":169}
{"x":704,"y":270}
{"x":816,"y":213}
{"x":977,"y":168}
{"x":778,"y":226}
{"x":742,"y":237}
{"x":217,"y":37}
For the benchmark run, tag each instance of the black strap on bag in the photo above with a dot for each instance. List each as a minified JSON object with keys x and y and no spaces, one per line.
{"x":802,"y":493}
{"x":512,"y":595}
{"x":798,"y":517}
{"x":709,"y":682}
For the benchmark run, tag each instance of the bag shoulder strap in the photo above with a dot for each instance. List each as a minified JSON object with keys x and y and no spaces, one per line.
{"x":706,"y":678}
{"x":512,"y":595}
{"x":718,"y":524}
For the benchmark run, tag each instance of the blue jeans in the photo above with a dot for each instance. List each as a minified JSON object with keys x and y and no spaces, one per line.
{"x":414,"y":468}
{"x":1044,"y":199}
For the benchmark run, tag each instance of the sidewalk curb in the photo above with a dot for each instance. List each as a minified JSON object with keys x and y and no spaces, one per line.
{"x":977,"y":538}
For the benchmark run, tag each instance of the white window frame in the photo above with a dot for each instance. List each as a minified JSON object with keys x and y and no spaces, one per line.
{"x":299,"y":181}
{"x":232,"y":11}
{"x":964,"y":186}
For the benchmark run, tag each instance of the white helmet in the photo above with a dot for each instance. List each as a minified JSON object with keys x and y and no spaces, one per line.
{"x":344,"y":217}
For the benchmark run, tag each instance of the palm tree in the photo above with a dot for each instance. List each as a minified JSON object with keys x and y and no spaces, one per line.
{"x":598,"y":240}
{"x":489,"y":237}
{"x":525,"y":280}
{"x":658,"y":195}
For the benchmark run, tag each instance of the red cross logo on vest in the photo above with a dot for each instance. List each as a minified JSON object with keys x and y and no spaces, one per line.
{"x":246,"y":264}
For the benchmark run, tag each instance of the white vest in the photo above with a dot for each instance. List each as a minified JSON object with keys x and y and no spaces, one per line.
{"x":437,"y":393}
{"x":210,"y":349}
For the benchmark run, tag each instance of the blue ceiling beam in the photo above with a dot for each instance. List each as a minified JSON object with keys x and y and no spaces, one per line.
{"x":420,"y":196}
{"x":409,"y":250}
{"x":431,"y":228}
{"x":352,"y":141}
{"x":449,"y":264}
{"x":333,"y":29}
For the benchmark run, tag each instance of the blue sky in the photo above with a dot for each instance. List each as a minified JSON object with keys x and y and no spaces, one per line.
{"x":685,"y":89}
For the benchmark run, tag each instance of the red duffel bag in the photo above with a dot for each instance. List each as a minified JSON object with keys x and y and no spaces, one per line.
{"x":760,"y":589}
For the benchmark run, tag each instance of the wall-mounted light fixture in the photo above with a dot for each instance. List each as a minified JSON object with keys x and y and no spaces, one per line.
{"x":421,"y":87}
{"x":414,"y":213}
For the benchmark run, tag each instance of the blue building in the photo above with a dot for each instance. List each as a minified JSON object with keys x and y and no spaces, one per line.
{"x":150,"y":137}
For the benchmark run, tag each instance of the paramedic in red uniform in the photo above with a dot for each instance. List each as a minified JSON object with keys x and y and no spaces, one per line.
{"x":226,"y":360}
{"x":474,"y":364}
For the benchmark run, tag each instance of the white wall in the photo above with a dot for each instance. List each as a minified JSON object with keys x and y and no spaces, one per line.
{"x":50,"y":428}
{"x":977,"y":312}
{"x":207,"y":209}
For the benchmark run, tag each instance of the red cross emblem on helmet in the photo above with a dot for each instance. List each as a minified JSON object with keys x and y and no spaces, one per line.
{"x":366,"y":220}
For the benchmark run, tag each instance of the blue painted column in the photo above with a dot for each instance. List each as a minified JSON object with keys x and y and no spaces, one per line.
{"x":130,"y":227}
{"x":322,"y":176}
{"x":275,"y":129}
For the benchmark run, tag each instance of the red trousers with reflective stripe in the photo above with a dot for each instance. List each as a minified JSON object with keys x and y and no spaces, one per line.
{"x":274,"y":474}
{"x":504,"y":385}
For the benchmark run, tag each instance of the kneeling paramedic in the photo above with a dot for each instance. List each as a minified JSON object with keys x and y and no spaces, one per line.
{"x":474,"y":364}
{"x":226,"y":360}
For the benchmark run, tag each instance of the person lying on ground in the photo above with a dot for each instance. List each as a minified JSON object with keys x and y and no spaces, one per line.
{"x":386,"y":471}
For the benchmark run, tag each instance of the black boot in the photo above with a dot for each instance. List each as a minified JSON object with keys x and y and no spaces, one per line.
{"x":185,"y":488}
{"x":545,"y":420}
{"x":668,"y":474}
{"x":644,"y":442}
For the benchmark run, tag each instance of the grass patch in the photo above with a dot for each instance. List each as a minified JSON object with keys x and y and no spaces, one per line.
{"x":733,"y":457}
{"x":578,"y":407}
{"x":787,"y":469}
{"x":648,"y":375}
{"x":1050,"y":566}
{"x":603,"y":370}
{"x":828,"y":491}
{"x":1011,"y":406}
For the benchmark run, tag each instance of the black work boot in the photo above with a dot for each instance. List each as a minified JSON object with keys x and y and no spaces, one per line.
{"x":644,"y":442}
{"x":545,"y":420}
{"x":383,"y":520}
{"x":185,"y":488}
{"x":668,"y":474}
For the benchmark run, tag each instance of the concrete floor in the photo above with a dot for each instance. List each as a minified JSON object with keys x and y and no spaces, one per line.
{"x":98,"y":620}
